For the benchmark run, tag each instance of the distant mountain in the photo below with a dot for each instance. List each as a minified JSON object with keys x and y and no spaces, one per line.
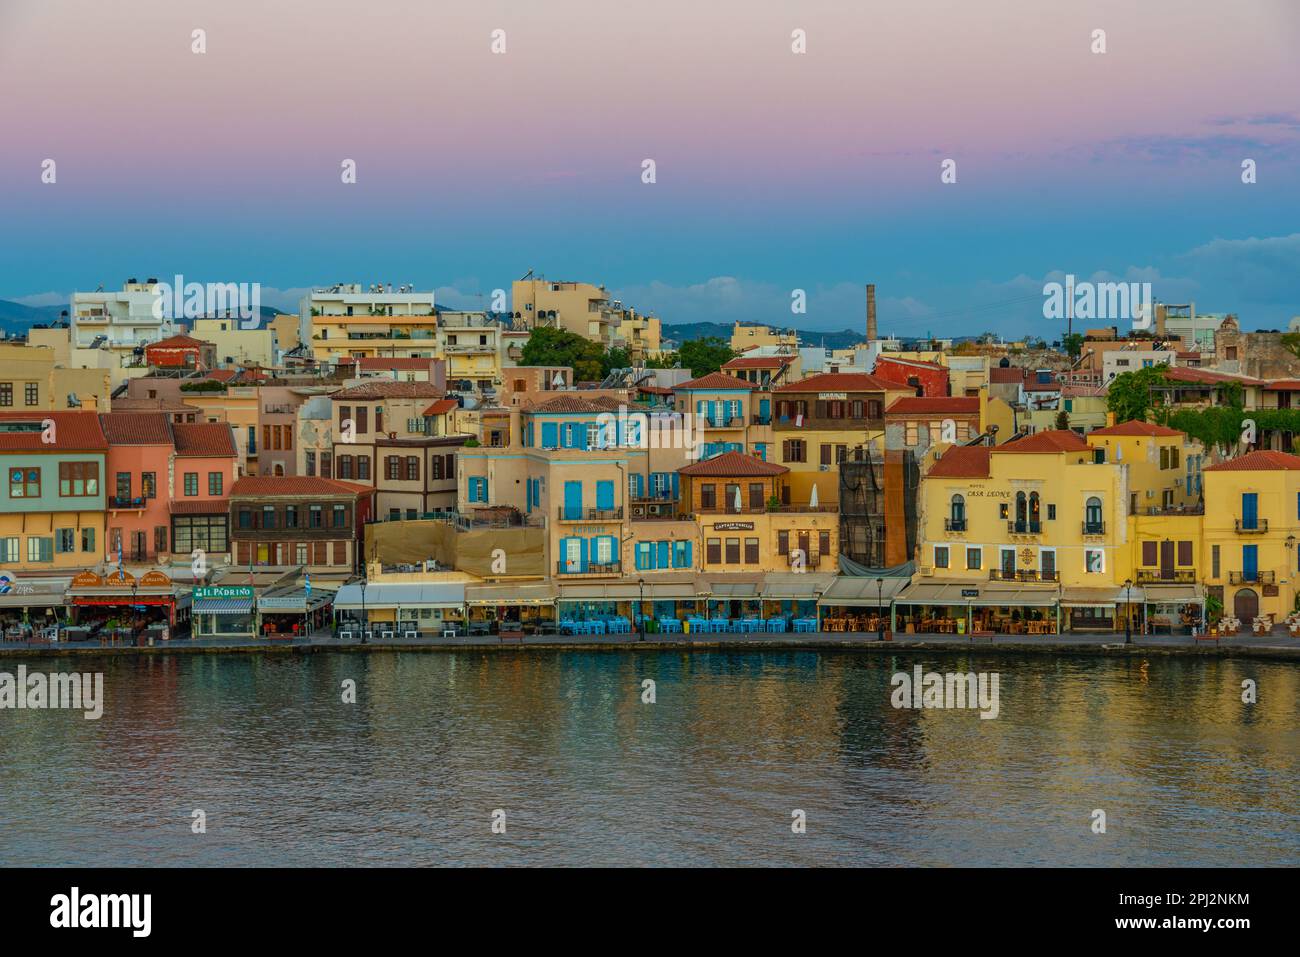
{"x":685,"y":331}
{"x":15,"y":317}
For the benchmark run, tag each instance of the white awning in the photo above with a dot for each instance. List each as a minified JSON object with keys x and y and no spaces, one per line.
{"x":393,"y":595}
{"x":865,"y":591}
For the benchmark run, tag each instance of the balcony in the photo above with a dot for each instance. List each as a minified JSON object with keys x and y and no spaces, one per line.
{"x":1094,"y":528}
{"x":1024,"y":575}
{"x":716,"y":509}
{"x":724,"y":422}
{"x":761,"y":419}
{"x":1258,"y":527}
{"x":566,"y":513}
{"x":956,"y":524}
{"x":1154,"y":576}
{"x":1252,"y":578}
{"x":811,"y":561}
{"x":563,"y":567}
{"x":1024,"y":527}
{"x":125,"y":502}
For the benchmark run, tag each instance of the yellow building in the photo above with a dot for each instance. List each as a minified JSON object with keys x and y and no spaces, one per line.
{"x":364,"y":321}
{"x":30,"y":378}
{"x":745,"y":337}
{"x":1249,"y":551}
{"x":585,"y":310}
{"x":237,"y":345}
{"x":1049,"y":531}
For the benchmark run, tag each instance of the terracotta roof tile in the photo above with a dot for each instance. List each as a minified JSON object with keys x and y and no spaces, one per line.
{"x":1261,"y":460}
{"x":733,"y":465}
{"x":841,"y":382}
{"x":295,"y":485}
{"x":441,"y":407}
{"x":387,"y":389}
{"x":962,"y":461}
{"x":136,"y":428}
{"x":1006,"y":375}
{"x":758,"y":362}
{"x":209,"y":506}
{"x":1052,"y":440}
{"x":205,"y":439}
{"x":129,"y":404}
{"x":571,"y":402}
{"x":24,"y":431}
{"x":934,"y":405}
{"x":381,"y":363}
{"x":714,"y":381}
{"x":177,"y":342}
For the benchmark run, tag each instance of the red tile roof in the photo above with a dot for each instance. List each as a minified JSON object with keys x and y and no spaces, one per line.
{"x":841,"y":382}
{"x":1005,"y":375}
{"x":1261,"y":460}
{"x":923,"y":363}
{"x":1283,"y":385}
{"x":387,"y":389}
{"x":129,"y":404}
{"x":222,"y":375}
{"x":441,"y":407}
{"x":177,"y":342}
{"x":571,"y":402}
{"x":962,"y":461}
{"x":733,"y":465}
{"x":79,"y":431}
{"x":1136,"y":428}
{"x":296,"y":485}
{"x":203,"y":439}
{"x":1052,"y":440}
{"x":381,"y":363}
{"x":1208,"y":376}
{"x":934,"y":405}
{"x":136,"y":428}
{"x":758,"y":362}
{"x":715,"y":381}
{"x":209,"y":506}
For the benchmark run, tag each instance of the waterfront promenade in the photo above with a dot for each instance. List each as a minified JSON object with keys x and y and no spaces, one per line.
{"x":1278,"y":644}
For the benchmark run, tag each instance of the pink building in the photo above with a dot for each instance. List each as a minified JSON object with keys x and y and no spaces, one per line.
{"x":205,"y":467}
{"x":138,"y":520}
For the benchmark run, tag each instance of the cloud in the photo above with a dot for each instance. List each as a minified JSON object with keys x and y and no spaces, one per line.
{"x":44,"y":299}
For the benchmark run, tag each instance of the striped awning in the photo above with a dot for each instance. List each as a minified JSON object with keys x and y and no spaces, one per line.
{"x":223,"y":606}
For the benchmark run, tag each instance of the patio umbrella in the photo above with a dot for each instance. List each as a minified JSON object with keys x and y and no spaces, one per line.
{"x":812,"y":499}
{"x":738,"y":504}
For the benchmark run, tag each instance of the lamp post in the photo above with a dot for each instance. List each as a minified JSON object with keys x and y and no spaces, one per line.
{"x":1128,"y":611}
{"x":880,"y":609}
{"x":640,"y":606}
{"x":364,"y":621}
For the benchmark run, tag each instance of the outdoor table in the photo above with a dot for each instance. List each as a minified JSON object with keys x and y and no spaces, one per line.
{"x":805,"y":624}
{"x":596,"y":628}
{"x":776,"y":625}
{"x":670,"y":624}
{"x":749,"y":624}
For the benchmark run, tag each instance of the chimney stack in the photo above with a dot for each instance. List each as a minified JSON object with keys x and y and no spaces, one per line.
{"x":1160,"y":319}
{"x":871,"y":312}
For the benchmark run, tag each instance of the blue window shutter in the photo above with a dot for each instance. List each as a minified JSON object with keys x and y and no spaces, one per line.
{"x":665,"y":557}
{"x":604,"y":494}
{"x":550,"y":435}
{"x":639,"y":556}
{"x":582,"y":553}
{"x":674,"y":485}
{"x":690,"y":563}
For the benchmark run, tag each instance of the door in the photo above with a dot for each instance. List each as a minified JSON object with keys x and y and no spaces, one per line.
{"x":605,"y":496}
{"x":1249,"y":510}
{"x":765,"y":410}
{"x":1167,"y":561}
{"x":1249,"y":562}
{"x":573,"y":500}
{"x":1245,"y":604}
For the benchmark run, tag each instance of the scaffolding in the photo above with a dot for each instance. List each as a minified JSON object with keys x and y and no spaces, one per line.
{"x":866,"y":524}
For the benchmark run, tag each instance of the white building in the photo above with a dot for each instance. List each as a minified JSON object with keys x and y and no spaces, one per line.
{"x":120,"y":321}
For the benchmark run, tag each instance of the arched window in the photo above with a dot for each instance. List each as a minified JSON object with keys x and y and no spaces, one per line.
{"x":957,"y":521}
{"x":1022,"y":511}
{"x":1092,"y":521}
{"x":1033,"y":512}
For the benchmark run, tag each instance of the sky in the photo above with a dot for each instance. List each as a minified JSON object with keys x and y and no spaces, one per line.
{"x":774,"y":171}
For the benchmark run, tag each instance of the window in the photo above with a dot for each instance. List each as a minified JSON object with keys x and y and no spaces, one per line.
{"x":124,"y":486}
{"x":149,"y":484}
{"x":1214,"y":561}
{"x":191,"y":483}
{"x":823,"y":543}
{"x":1094,"y":561}
{"x":1149,"y":553}
{"x":65,"y":540}
{"x":40,"y":549}
{"x":794,"y":450}
{"x":751,"y":551}
{"x":207,"y":532}
{"x":941,"y":556}
{"x":1185,"y":553}
{"x":413,"y":468}
{"x":266,"y":438}
{"x":311,"y":463}
{"x":1004,"y":510}
{"x":1092,"y":523}
{"x":315,"y":517}
{"x":363,"y":420}
{"x":363,"y":466}
{"x":287,"y":430}
{"x":291,"y":516}
{"x":392,"y":467}
{"x":340,"y":516}
{"x":6,"y":393}
{"x":345,"y":466}
{"x":87,"y":540}
{"x":327,"y":465}
{"x":268,"y":516}
{"x":713,"y":551}
{"x":974,"y":558}
{"x":215,"y":483}
{"x":783,"y":542}
{"x":1047,"y":564}
{"x":957,"y":508}
{"x":245,"y":518}
{"x":345,"y":413}
{"x":78,"y":478}
{"x":1051,"y":513}
{"x":708,"y":495}
{"x":25,"y":483}
{"x":32,"y":393}
{"x":11,"y":549}
{"x":733,"y":551}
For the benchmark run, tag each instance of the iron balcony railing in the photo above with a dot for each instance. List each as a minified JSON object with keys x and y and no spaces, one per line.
{"x":954,"y":524}
{"x":574,"y":514}
{"x":1154,"y":576}
{"x":563,"y":567}
{"x":1024,"y":527}
{"x":1252,"y":578}
{"x":1094,"y":528}
{"x":1258,"y":527}
{"x":1023,"y":575}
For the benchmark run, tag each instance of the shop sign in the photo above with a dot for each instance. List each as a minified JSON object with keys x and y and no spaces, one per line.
{"x":9,"y":585}
{"x":155,"y":579}
{"x":86,"y":580}
{"x":223,"y":591}
{"x":833,"y":396}
{"x":970,"y":593}
{"x":733,"y":526}
{"x":120,"y":579}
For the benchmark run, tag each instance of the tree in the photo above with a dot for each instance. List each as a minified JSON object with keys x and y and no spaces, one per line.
{"x":1062,"y":420}
{"x":1073,"y":344}
{"x":705,"y":355}
{"x":548,"y":346}
{"x":1130,"y":395}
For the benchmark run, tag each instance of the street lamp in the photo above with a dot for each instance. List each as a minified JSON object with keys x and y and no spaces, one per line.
{"x":880,"y":609}
{"x":1128,"y":611}
{"x":640,"y":606}
{"x":364,"y":621}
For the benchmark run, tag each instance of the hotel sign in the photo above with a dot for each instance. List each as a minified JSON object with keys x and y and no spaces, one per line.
{"x":733,"y":526}
{"x":833,"y":396}
{"x":223,"y":591}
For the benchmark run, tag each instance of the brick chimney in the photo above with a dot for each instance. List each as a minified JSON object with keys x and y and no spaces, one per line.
{"x":871,"y":312}
{"x":1160,"y":319}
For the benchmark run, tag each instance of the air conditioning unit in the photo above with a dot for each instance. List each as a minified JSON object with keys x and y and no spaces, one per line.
{"x":638,"y":511}
{"x":823,"y":468}
{"x":926,"y":570}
